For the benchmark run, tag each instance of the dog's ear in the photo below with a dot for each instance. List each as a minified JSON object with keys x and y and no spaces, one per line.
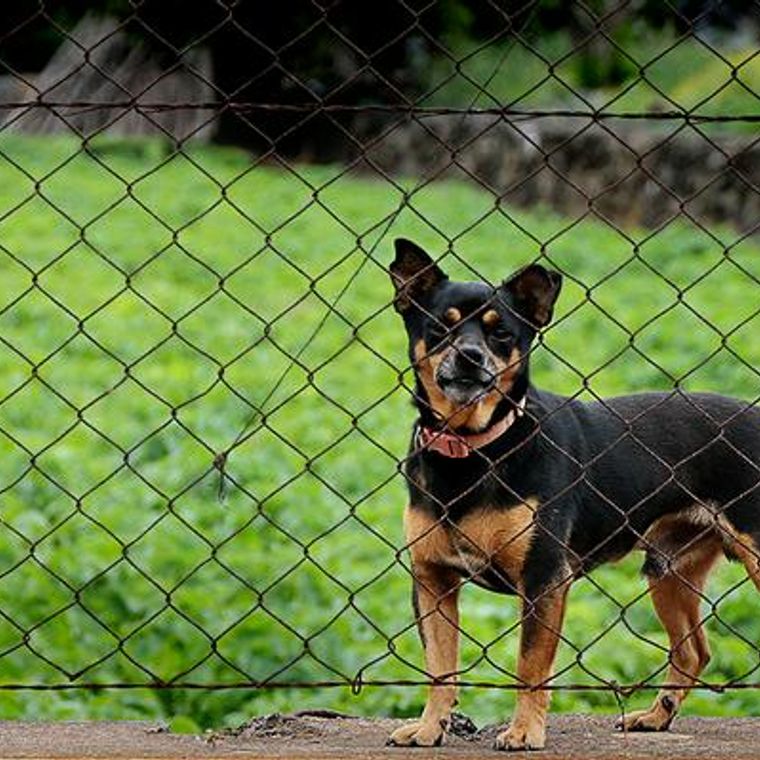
{"x":534,"y":291}
{"x":413,"y":273}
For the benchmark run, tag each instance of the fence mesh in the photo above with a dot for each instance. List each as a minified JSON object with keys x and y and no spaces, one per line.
{"x":196,"y":226}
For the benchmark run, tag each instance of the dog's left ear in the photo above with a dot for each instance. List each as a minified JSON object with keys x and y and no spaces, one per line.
{"x":414,"y":274}
{"x":534,"y":291}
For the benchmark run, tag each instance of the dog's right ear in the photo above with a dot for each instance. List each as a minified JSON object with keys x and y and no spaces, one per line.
{"x":413,"y":273}
{"x":534,"y":291}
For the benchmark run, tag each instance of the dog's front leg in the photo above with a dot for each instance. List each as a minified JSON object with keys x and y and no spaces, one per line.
{"x":542,"y":617}
{"x":436,"y":592}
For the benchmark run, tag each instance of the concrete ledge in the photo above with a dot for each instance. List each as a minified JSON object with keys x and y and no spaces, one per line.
{"x":308,"y":736}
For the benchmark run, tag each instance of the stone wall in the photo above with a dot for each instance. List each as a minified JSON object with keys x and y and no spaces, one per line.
{"x":631,"y":174}
{"x":99,"y":62}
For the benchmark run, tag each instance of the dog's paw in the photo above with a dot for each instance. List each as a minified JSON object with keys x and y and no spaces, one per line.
{"x":521,"y":736}
{"x":417,"y":734}
{"x":654,"y":719}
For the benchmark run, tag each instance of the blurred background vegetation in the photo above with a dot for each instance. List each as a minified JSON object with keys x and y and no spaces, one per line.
{"x":152,"y":294}
{"x":639,"y":55}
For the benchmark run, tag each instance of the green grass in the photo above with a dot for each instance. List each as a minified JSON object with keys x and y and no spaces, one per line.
{"x":648,"y":72}
{"x":149,"y":301}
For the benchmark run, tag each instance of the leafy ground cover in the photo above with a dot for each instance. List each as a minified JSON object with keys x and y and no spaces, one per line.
{"x":149,"y":303}
{"x":640,"y":70}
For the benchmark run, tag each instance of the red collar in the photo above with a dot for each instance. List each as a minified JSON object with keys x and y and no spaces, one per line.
{"x":457,"y":446}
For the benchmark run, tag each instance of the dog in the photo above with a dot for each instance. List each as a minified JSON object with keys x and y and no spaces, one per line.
{"x":522,"y":491}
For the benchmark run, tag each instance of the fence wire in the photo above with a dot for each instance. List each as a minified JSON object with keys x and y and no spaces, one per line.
{"x":177,"y":312}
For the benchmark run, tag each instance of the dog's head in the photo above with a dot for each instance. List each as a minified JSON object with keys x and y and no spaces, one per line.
{"x":469,"y":341}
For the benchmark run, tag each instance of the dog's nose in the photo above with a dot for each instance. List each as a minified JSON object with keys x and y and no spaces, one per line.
{"x":472,"y":354}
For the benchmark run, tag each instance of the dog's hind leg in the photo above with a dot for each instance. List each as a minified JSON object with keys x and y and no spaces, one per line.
{"x":676,"y":597}
{"x":750,"y":556}
{"x":745,"y":547}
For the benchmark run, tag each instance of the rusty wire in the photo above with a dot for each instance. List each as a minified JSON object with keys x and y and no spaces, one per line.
{"x":403,"y":107}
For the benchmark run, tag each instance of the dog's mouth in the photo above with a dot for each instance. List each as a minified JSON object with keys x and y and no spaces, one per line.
{"x":465,"y":389}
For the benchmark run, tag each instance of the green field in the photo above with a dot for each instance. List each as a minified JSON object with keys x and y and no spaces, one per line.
{"x":150,"y":301}
{"x":643,"y":70}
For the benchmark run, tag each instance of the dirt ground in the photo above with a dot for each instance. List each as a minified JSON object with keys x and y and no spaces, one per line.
{"x":319,"y":736}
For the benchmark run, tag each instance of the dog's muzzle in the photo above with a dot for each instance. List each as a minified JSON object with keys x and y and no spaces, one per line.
{"x":466,"y":373}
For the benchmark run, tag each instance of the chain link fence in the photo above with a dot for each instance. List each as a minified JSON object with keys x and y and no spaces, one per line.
{"x":204,"y":396}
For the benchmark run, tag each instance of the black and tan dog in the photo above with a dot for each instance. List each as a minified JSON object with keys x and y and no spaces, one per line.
{"x":522,"y":491}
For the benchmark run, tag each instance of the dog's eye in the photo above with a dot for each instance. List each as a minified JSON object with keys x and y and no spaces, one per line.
{"x":437,"y":333}
{"x":502,"y":336}
{"x":438,"y":330}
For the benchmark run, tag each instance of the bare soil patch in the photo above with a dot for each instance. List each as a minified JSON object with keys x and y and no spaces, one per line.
{"x":322,"y":735}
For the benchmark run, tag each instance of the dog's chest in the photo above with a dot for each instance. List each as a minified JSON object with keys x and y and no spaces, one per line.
{"x":484,"y":569}
{"x":488,"y":545}
{"x":462,"y":485}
